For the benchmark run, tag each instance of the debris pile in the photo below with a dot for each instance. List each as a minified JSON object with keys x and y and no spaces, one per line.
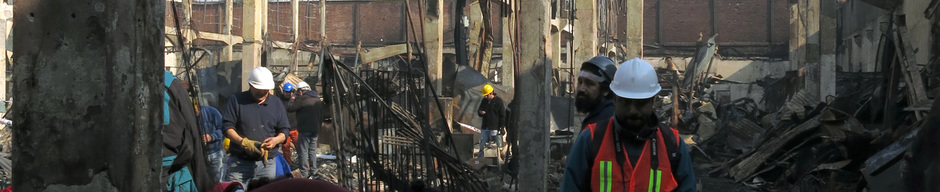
{"x":797,"y":147}
{"x":863,"y":138}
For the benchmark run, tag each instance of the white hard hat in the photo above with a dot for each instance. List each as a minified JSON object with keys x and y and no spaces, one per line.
{"x":261,"y":78}
{"x":635,"y":79}
{"x":303,"y":86}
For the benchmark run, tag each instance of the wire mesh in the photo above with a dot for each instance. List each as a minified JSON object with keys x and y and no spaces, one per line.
{"x":384,"y":144}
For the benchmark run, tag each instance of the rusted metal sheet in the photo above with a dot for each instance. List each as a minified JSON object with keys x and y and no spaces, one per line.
{"x":698,"y":68}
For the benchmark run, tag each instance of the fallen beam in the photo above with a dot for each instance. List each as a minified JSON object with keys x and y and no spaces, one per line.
{"x":747,"y":166}
{"x":227,"y":39}
{"x":887,"y":156}
{"x":379,"y":53}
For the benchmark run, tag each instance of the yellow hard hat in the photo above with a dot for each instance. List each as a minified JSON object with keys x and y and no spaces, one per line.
{"x":487,"y":89}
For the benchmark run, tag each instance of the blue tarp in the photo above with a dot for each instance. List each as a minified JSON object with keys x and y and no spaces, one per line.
{"x":282,"y":167}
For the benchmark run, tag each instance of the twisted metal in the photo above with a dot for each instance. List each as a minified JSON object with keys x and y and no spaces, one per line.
{"x":382,"y":144}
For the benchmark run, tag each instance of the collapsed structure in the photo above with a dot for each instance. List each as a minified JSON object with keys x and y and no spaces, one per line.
{"x":793,"y":95}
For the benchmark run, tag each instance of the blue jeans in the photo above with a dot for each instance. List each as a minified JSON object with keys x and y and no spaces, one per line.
{"x":215,"y":164}
{"x":242,"y":170}
{"x":485,"y":135}
{"x":307,"y":150}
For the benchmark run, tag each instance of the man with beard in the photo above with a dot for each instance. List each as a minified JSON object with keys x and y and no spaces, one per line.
{"x":593,"y":94}
{"x":631,"y":151}
{"x":256,"y":124}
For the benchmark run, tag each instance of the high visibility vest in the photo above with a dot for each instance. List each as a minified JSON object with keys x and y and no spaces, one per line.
{"x":608,"y":174}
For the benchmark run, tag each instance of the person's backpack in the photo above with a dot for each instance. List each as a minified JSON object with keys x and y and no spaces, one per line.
{"x":670,"y":138}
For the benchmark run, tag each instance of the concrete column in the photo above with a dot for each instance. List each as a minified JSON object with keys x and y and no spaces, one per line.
{"x":474,"y":36}
{"x":187,"y":13}
{"x":810,"y":19}
{"x":5,"y":19}
{"x":226,"y":54}
{"x":295,"y":33}
{"x":827,"y":49}
{"x":295,"y":20}
{"x":324,"y":41}
{"x":585,"y":30}
{"x":532,"y":94}
{"x":102,"y":60}
{"x":634,"y":39}
{"x":796,"y":37}
{"x":323,"y":22}
{"x":264,"y":17}
{"x":556,"y":52}
{"x":433,"y":43}
{"x":508,"y":53}
{"x":252,"y":23}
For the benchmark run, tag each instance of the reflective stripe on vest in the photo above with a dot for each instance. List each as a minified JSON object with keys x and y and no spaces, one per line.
{"x":608,"y":175}
{"x":656,"y":177}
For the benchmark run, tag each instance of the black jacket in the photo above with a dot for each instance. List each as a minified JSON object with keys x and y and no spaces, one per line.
{"x":309,"y":110}
{"x":494,"y":109}
{"x":183,"y":138}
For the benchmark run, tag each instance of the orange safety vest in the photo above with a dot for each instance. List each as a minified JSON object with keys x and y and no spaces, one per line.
{"x":608,"y":174}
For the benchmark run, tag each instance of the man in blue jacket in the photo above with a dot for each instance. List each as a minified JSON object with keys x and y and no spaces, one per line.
{"x":210,"y":120}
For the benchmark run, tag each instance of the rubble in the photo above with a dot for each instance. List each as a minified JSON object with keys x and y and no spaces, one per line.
{"x":801,"y":146}
{"x":790,"y":140}
{"x":744,"y":134}
{"x":746,"y":167}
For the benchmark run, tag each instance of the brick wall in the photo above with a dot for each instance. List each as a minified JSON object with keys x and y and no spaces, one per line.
{"x":739,"y":22}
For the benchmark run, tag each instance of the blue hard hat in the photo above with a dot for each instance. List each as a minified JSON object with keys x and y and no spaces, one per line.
{"x":288,"y":87}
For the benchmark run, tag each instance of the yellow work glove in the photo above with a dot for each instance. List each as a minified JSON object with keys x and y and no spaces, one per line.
{"x":264,"y":156}
{"x":225,"y":143}
{"x":251,"y":147}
